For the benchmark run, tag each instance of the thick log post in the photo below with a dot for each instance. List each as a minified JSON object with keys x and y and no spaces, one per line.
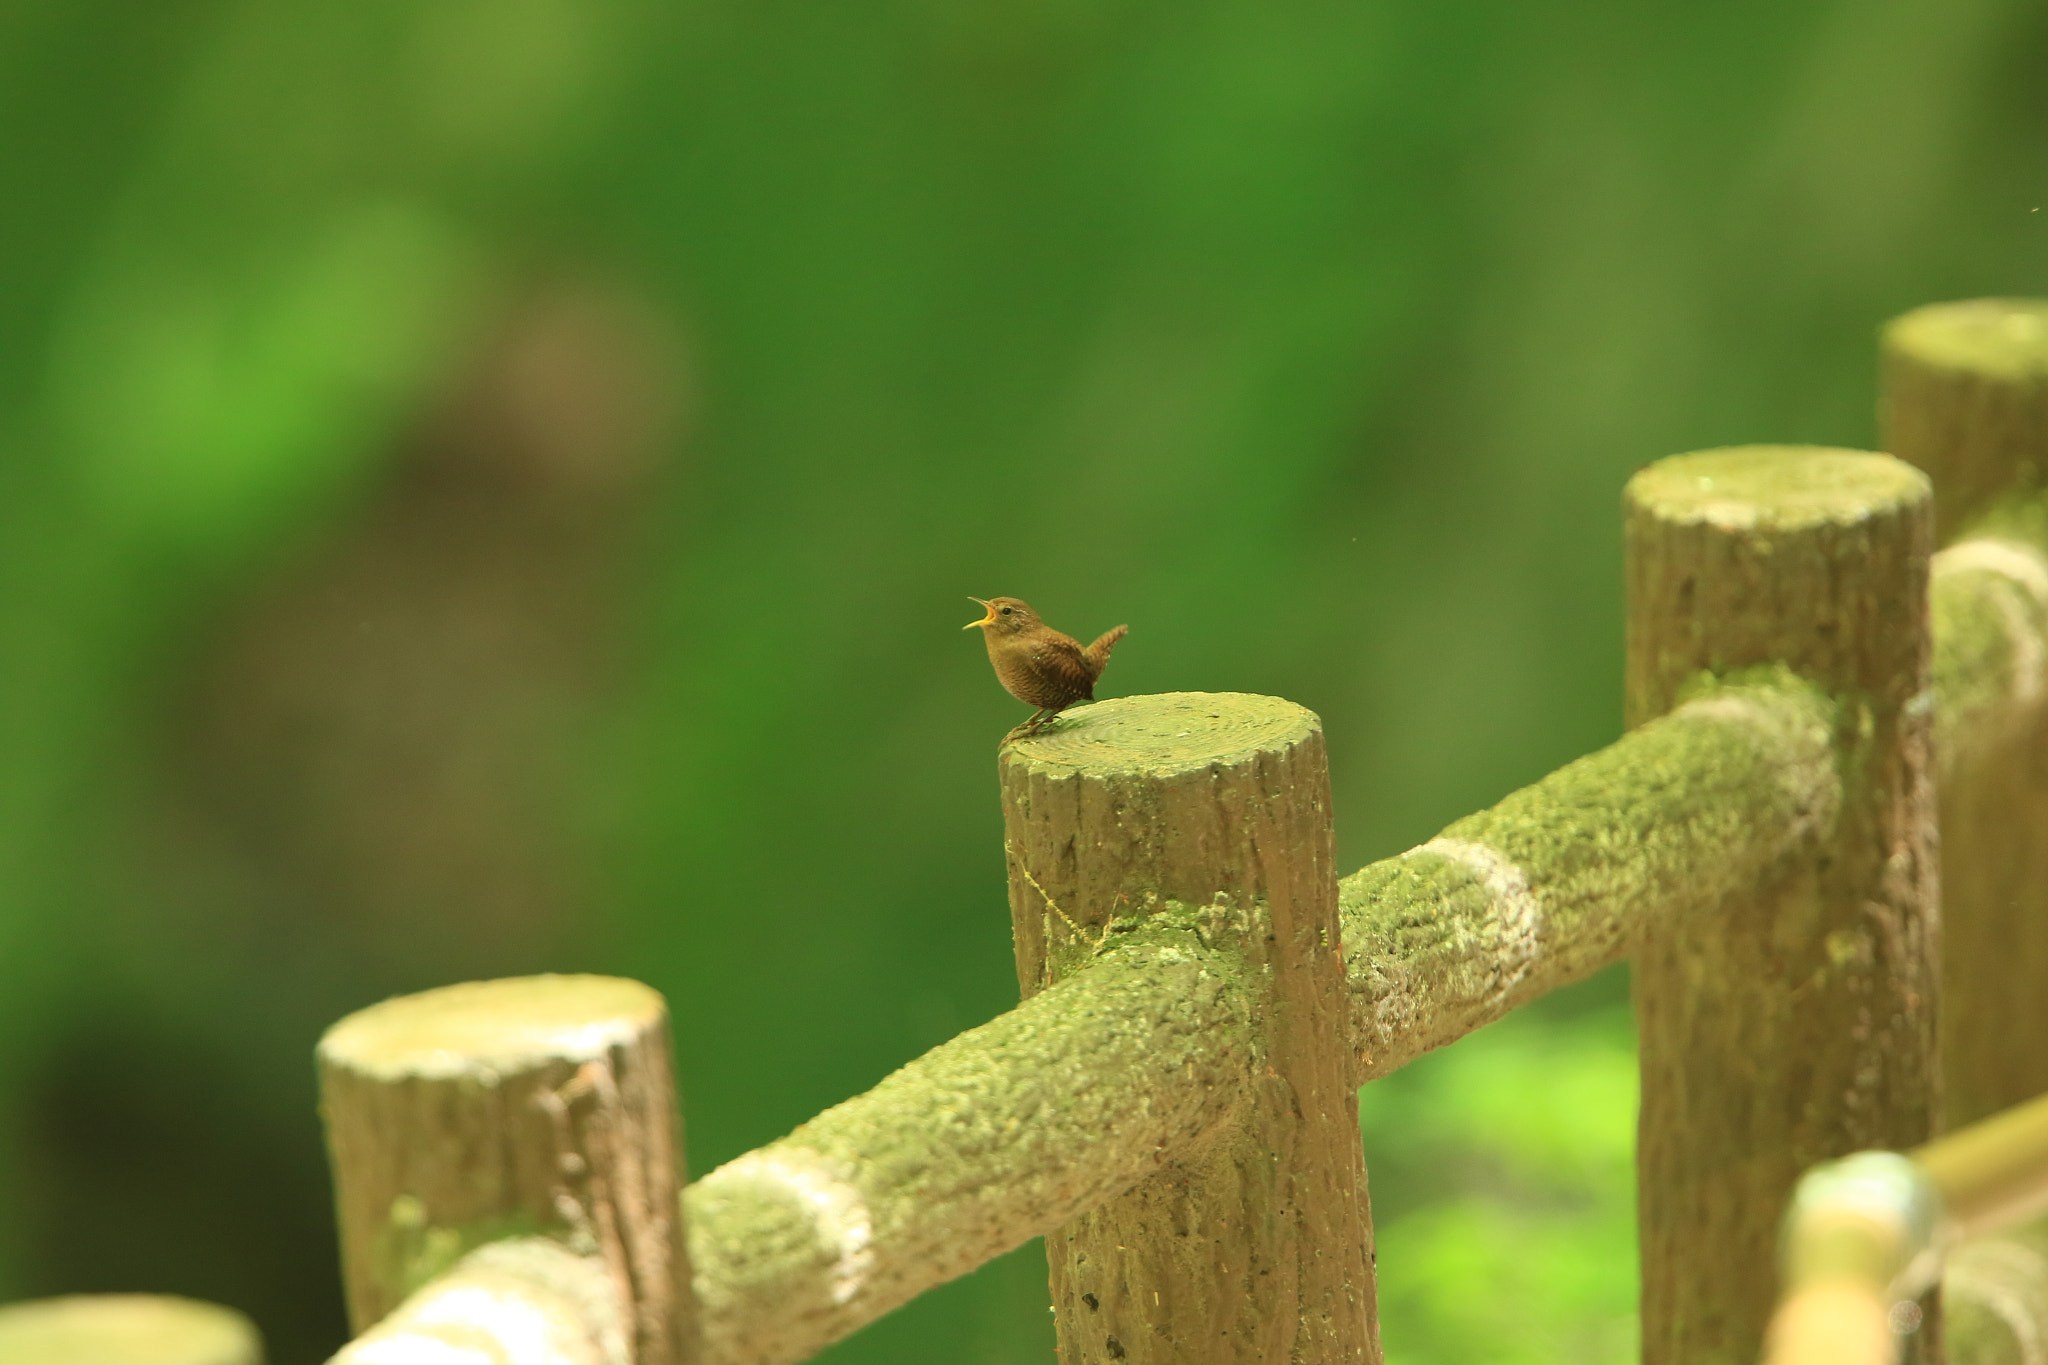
{"x":538,"y":1105}
{"x":1795,"y":1025}
{"x":126,"y":1329}
{"x":1214,"y":809}
{"x":1966,"y":399}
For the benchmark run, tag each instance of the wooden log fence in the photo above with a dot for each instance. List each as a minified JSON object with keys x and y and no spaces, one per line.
{"x":1173,"y":1104}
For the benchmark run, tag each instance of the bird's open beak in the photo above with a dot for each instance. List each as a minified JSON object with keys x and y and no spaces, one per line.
{"x":988,"y":616}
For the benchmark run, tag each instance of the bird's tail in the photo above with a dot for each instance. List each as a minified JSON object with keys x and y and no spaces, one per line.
{"x":1098,"y":653}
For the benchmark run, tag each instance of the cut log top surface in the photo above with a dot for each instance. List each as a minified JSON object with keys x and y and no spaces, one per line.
{"x":1744,"y":487}
{"x":1165,"y":733}
{"x":125,"y":1329}
{"x":1985,"y":336}
{"x":493,"y":1026}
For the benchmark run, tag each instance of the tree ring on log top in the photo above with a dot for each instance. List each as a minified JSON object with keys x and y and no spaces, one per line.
{"x":1776,"y":488}
{"x":127,"y":1329}
{"x":1164,"y":733}
{"x":2001,"y":337}
{"x":493,"y":1026}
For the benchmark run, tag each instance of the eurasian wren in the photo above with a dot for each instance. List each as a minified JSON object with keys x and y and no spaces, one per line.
{"x":1035,"y":663}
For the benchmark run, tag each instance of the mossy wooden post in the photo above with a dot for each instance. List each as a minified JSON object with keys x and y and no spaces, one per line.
{"x":495,"y":1109}
{"x":1966,"y":399}
{"x":1795,"y":1025}
{"x":1214,"y":808}
{"x":126,"y":1329}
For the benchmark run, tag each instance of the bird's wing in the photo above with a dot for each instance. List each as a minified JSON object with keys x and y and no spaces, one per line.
{"x":1063,"y":660}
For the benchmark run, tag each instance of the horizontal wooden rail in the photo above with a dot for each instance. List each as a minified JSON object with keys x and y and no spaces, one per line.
{"x":1992,"y":1174}
{"x":527,"y":1299}
{"x":1564,"y":876}
{"x":986,"y":1141}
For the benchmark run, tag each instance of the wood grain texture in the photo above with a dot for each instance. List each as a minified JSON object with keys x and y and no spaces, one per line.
{"x":534,"y":1105}
{"x":1796,"y":1023}
{"x":1216,"y":805}
{"x":1966,"y":400}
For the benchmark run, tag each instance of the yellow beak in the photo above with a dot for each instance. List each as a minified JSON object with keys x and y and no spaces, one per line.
{"x":986,"y":619}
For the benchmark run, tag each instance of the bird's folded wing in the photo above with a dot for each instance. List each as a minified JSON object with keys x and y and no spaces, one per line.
{"x":1061,"y":661}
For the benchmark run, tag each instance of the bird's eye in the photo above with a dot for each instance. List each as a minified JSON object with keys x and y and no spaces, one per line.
{"x":1006,"y":611}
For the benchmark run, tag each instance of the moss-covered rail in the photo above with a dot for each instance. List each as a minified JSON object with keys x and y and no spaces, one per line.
{"x":1173,"y":1105}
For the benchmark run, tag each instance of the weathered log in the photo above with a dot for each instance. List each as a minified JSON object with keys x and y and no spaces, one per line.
{"x":1966,"y":399}
{"x":1795,"y":1022}
{"x":1213,"y":810}
{"x":535,"y":1105}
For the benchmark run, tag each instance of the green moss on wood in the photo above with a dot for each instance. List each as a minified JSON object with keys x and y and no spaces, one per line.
{"x":1667,"y":821}
{"x":2005,"y":338}
{"x":998,"y":1136}
{"x":1990,"y":646}
{"x":1966,"y":399}
{"x":1161,"y":734}
{"x":1770,"y":488}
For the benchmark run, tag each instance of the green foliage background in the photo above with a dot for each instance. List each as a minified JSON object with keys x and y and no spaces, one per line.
{"x":1314,"y":339}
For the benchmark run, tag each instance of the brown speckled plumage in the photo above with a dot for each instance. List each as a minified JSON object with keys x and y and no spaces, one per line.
{"x":1037,"y":664}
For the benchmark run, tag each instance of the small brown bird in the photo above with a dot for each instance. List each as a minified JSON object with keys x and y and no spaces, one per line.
{"x":1035,"y":663}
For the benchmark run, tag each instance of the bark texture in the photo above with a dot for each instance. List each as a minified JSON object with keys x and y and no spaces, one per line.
{"x":126,"y":1329}
{"x":1257,"y":1248}
{"x":1966,"y":399}
{"x":493,"y":1109}
{"x":1795,"y":1022}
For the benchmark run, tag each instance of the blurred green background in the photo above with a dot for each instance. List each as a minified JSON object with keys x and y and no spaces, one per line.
{"x":492,"y":485}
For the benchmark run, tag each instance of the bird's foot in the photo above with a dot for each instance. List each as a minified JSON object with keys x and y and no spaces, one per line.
{"x":1025,"y":729}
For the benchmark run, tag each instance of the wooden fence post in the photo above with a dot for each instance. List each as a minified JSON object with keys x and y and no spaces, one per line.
{"x":538,"y":1105}
{"x":126,"y":1329}
{"x":1213,"y":808}
{"x":1795,"y":1025}
{"x":1966,"y":399}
